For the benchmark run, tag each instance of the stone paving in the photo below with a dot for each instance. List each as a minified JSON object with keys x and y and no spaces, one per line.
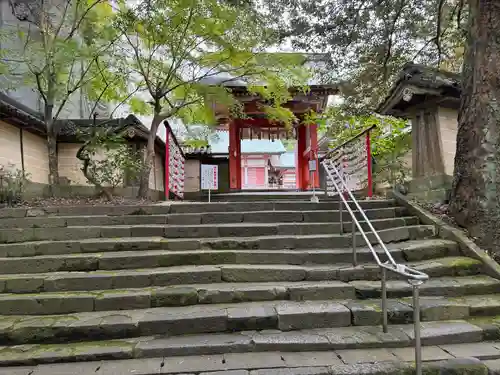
{"x":235,"y":288}
{"x":438,"y":360}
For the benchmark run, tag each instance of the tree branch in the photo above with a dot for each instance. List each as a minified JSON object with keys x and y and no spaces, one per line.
{"x":124,"y":100}
{"x":390,"y":36}
{"x":437,"y":38}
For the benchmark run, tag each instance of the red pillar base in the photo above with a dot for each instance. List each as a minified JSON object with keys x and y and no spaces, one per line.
{"x":234,"y":157}
{"x":302,"y":164}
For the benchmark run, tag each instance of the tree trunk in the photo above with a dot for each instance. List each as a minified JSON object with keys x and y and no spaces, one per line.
{"x":149,"y":156}
{"x":51,"y":148}
{"x":476,"y":183}
{"x":82,"y":155}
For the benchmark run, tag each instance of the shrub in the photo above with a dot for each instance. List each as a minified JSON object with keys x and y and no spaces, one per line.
{"x":12,"y":184}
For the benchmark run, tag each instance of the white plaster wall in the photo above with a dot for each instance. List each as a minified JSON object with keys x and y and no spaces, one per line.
{"x":69,"y":165}
{"x":36,"y":157}
{"x":192,"y":176}
{"x":159,"y":173}
{"x":10,"y":146}
{"x":448,"y":125}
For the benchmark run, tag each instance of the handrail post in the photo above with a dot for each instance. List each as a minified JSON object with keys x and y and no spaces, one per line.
{"x":416,"y":324}
{"x":354,"y":255}
{"x":341,"y":214}
{"x":369,"y":165}
{"x":385,"y":322}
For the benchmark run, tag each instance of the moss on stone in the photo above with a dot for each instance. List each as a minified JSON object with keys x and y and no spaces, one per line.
{"x":465,"y":263}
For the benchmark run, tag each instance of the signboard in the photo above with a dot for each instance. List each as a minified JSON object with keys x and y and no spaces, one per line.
{"x":209,"y":177}
{"x":312,"y":165}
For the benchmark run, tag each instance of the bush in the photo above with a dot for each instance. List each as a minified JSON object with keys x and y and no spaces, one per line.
{"x":118,"y":163}
{"x":12,"y":185}
{"x":108,"y":159}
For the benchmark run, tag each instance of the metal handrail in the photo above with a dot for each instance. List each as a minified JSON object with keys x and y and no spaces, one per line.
{"x":353,"y":138}
{"x":416,"y":278}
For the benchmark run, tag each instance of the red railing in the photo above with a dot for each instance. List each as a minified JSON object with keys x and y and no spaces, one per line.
{"x":353,"y":159}
{"x":174,"y":165}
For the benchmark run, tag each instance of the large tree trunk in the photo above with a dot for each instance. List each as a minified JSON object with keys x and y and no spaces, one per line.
{"x":149,"y":156}
{"x":51,"y":148}
{"x":476,"y":183}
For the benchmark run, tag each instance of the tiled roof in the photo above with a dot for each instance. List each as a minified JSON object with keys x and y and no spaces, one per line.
{"x":439,"y":82}
{"x":21,"y":115}
{"x":287,"y":160}
{"x":219,"y":144}
{"x":70,"y":127}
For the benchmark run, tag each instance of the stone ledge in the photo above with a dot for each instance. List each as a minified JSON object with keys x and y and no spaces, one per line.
{"x":184,"y":208}
{"x":373,"y":362}
{"x":446,"y":231}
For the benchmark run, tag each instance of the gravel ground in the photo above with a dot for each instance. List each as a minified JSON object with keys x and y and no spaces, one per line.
{"x":83,"y":201}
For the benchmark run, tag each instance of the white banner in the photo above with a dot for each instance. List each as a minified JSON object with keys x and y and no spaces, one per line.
{"x":209,"y":177}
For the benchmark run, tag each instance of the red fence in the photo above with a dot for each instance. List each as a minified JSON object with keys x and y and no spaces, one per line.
{"x":353,"y":160}
{"x":174,"y":165}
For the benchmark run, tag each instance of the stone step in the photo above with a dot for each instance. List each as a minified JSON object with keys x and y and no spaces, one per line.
{"x":327,"y":216}
{"x":360,"y":275}
{"x":410,"y":232}
{"x":346,"y":345}
{"x":187,"y":207}
{"x":46,"y":303}
{"x":271,"y":363}
{"x":163,"y":276}
{"x":442,"y":286}
{"x":340,"y":258}
{"x":410,"y":250}
{"x":267,"y":195}
{"x":172,"y":321}
{"x":13,"y":235}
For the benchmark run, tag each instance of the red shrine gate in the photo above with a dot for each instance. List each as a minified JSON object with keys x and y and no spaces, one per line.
{"x":255,"y":125}
{"x":260,"y":128}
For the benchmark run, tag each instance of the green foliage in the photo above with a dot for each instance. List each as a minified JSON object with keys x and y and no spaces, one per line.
{"x":390,"y":141}
{"x":368,"y":41}
{"x":62,"y":48}
{"x":118,"y":164}
{"x":185,"y":51}
{"x":12,"y":184}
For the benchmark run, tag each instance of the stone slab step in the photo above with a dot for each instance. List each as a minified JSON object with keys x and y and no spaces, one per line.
{"x":398,"y":234}
{"x":192,"y":231}
{"x":363,"y":276}
{"x":135,"y":297}
{"x":327,"y":216}
{"x":410,"y":250}
{"x":364,"y":312}
{"x":266,"y":195}
{"x":345,"y":345}
{"x":187,"y":207}
{"x":167,"y":276}
{"x":442,"y":286}
{"x":336,"y":264}
{"x":410,"y":232}
{"x":306,"y":363}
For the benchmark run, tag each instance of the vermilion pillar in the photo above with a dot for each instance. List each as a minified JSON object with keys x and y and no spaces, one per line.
{"x":302,"y":167}
{"x":234,"y":156}
{"x":313,"y":153}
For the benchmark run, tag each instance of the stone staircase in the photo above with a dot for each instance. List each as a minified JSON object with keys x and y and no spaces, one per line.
{"x":262,"y":287}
